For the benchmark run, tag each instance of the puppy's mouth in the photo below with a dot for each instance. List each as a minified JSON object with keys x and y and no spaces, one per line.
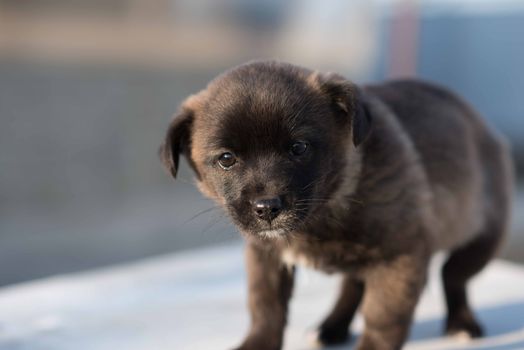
{"x":281,"y":227}
{"x":289,"y":220}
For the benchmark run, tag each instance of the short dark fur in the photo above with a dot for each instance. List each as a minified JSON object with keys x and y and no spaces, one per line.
{"x":392,"y":173}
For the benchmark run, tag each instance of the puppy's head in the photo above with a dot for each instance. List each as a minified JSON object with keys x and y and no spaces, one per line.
{"x":270,"y":142}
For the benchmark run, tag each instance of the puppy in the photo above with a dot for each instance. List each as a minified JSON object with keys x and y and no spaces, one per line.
{"x":364,"y":181}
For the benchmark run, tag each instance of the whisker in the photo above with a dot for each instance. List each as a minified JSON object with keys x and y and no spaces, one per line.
{"x":356,"y":201}
{"x":213,"y":222}
{"x":311,"y":201}
{"x":200,"y":213}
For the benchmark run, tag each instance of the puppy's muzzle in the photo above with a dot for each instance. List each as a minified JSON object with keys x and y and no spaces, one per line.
{"x":267,"y":208}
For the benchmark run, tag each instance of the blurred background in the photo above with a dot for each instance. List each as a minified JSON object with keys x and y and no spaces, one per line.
{"x":88,"y":87}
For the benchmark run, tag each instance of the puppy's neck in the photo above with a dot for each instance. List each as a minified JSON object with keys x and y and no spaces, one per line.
{"x":341,"y":200}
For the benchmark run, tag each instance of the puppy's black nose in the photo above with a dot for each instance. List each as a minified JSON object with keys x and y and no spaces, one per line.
{"x":267,"y":208}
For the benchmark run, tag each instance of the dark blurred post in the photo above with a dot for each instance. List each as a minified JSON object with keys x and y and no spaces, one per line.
{"x":404,"y":40}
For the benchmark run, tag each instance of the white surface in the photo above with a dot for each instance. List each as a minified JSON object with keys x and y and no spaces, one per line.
{"x":197,"y":301}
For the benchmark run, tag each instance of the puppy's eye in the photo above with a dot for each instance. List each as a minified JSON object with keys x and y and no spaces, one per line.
{"x":226,"y":160}
{"x":299,"y":148}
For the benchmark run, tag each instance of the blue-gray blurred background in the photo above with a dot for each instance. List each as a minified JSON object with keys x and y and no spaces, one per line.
{"x":87,"y":88}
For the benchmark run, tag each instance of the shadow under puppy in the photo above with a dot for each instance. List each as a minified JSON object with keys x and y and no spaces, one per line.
{"x":363,"y":181}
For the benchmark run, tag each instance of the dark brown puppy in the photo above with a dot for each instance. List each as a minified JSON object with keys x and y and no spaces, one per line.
{"x":367,"y":182}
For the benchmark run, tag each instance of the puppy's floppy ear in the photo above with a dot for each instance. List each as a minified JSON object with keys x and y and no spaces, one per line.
{"x":347,"y":100}
{"x":178,"y":140}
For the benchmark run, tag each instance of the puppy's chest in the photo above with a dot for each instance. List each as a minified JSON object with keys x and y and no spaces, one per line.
{"x":330,"y":257}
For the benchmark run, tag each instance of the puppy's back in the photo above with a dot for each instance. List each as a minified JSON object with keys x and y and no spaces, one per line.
{"x":467,"y":165}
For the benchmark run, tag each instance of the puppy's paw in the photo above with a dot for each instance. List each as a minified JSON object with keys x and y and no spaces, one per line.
{"x":256,"y":343}
{"x":325,"y":336}
{"x":465,"y":327}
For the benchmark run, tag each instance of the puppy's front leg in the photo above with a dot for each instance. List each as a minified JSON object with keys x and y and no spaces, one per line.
{"x":270,"y":284}
{"x":391,"y":294}
{"x":335,"y":328}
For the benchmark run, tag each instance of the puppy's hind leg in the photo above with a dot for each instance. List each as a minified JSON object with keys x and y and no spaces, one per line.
{"x":461,"y":265}
{"x":335,"y":327}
